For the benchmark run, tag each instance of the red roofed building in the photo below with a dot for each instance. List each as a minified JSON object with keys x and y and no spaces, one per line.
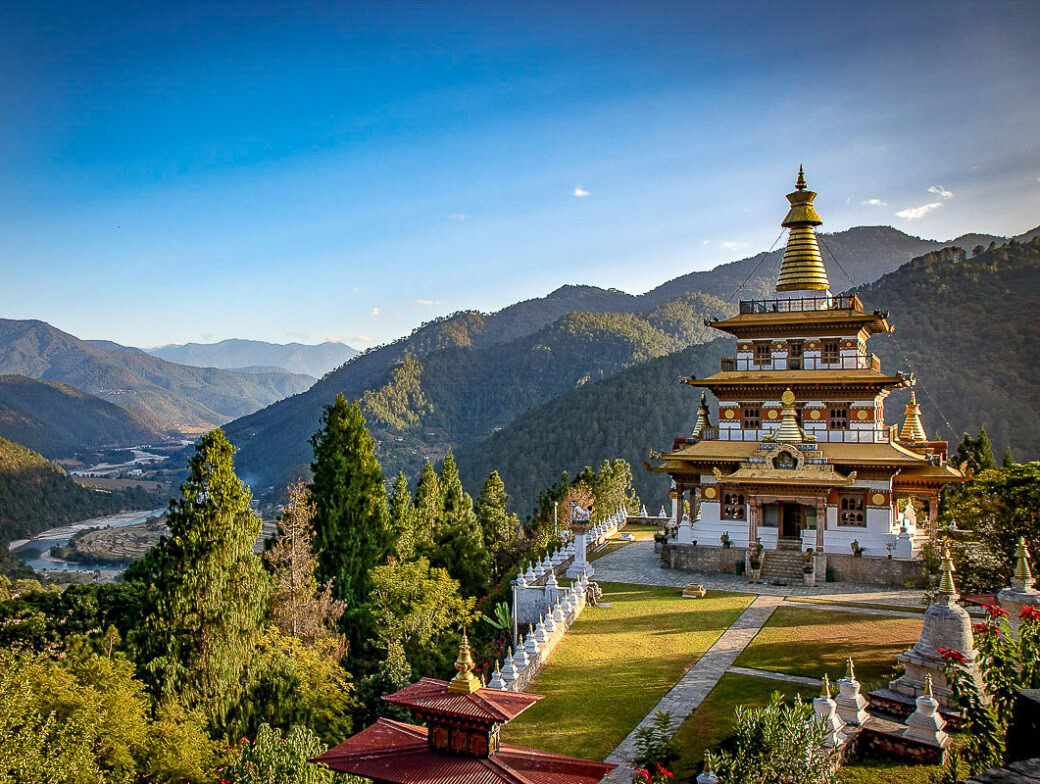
{"x":460,"y":743}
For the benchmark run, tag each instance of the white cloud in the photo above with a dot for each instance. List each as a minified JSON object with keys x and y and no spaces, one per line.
{"x":428,"y":302}
{"x":731,"y":245}
{"x":913,"y":213}
{"x":375,"y":313}
{"x":874,"y":203}
{"x":457,"y":216}
{"x":705,"y":243}
{"x":362,"y":339}
{"x":579,"y":192}
{"x":334,"y":339}
{"x":939,"y":190}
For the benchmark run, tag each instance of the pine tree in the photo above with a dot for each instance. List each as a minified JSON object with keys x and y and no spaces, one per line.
{"x":402,"y":519}
{"x":428,"y":509}
{"x":209,"y":589}
{"x":459,"y":543}
{"x":1009,"y":460}
{"x":299,"y":606}
{"x":497,"y":524}
{"x":351,"y":534}
{"x":976,"y":452}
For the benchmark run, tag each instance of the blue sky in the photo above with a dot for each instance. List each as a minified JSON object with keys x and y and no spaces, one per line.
{"x":183,"y":171}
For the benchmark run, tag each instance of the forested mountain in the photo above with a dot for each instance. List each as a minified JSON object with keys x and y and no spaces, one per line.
{"x":36,"y":494}
{"x":175,"y":396}
{"x":504,"y":373}
{"x":57,"y":420}
{"x":237,"y":354}
{"x":967,"y":326}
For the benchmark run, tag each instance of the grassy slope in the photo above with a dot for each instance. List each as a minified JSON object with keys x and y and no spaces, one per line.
{"x":616,"y":663}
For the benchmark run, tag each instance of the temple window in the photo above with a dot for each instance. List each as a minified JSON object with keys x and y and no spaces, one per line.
{"x":733,"y":506}
{"x":752,"y":419}
{"x":831,"y":353}
{"x":838,"y":417}
{"x":852,"y":506}
{"x":794,"y":354}
{"x":785,"y":460}
{"x":763,"y":353}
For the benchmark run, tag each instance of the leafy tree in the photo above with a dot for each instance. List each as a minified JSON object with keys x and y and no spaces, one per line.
{"x":656,"y":743}
{"x":350,"y":520}
{"x":209,"y":591}
{"x":498,"y":525}
{"x":299,"y":606}
{"x":402,"y":518}
{"x":272,"y":759}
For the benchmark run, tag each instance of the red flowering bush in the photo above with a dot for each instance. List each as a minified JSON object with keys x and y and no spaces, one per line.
{"x":660,"y":775}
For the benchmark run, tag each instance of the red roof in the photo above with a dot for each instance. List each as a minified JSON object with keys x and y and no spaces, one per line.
{"x":430,"y":695}
{"x":395,"y":752}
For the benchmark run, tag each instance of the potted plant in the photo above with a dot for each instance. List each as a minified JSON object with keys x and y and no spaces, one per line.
{"x":857,"y":551}
{"x":726,"y":541}
{"x":891,"y":547}
{"x":809,"y":568}
{"x":755,"y":561}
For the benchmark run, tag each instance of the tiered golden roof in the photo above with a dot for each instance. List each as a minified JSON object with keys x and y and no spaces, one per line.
{"x":913,"y":430}
{"x":802,"y":267}
{"x":702,"y":417}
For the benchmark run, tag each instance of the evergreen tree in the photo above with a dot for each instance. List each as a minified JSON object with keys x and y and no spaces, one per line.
{"x":497,"y":524}
{"x":976,"y":452}
{"x":459,"y":543}
{"x":1009,"y":460}
{"x":402,"y":519}
{"x":351,"y":533}
{"x":209,"y":589}
{"x":428,"y":509}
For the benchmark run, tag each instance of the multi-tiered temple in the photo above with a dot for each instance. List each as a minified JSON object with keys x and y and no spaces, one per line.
{"x":801,"y":455}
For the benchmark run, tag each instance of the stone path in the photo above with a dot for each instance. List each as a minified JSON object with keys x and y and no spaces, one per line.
{"x":776,"y":676}
{"x":638,"y":564}
{"x":686,"y":696}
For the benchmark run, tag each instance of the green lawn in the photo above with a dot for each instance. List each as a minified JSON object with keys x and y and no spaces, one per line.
{"x":851,"y":603}
{"x":800,"y":641}
{"x":616,"y":663}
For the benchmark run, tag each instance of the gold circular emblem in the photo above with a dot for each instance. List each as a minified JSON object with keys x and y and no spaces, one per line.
{"x":862,"y":414}
{"x":877,"y":499}
{"x":709,"y":492}
{"x":729,"y":413}
{"x":772,"y":413}
{"x":814,"y":414}
{"x":788,"y":397}
{"x":810,"y":345}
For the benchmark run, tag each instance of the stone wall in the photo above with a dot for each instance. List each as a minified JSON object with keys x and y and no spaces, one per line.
{"x":714,"y":559}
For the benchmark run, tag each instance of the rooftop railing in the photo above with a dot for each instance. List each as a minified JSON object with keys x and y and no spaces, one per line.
{"x":801,"y":304}
{"x":802,"y":363}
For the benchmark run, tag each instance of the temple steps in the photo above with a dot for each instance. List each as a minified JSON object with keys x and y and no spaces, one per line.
{"x":782,"y":566}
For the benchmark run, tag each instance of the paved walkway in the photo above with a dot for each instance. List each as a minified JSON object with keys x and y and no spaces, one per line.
{"x":776,"y":676}
{"x":637,"y":563}
{"x":686,"y":696}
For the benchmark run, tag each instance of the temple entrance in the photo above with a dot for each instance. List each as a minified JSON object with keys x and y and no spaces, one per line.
{"x":792,"y":519}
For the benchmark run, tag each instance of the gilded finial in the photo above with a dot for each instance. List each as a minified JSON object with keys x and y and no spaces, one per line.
{"x":850,"y":673}
{"x":802,"y":266}
{"x":788,"y":432}
{"x":946,"y":586}
{"x":464,"y":682}
{"x":1023,"y":574}
{"x":702,"y":417}
{"x":928,"y":686}
{"x":826,"y":690}
{"x":913,"y":430}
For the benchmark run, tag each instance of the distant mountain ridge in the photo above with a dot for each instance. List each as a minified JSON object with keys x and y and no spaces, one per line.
{"x":273,"y":442}
{"x":175,"y":396}
{"x":58,"y":420}
{"x":236,"y":354}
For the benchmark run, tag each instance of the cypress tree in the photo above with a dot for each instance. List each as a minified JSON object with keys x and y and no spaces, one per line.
{"x":351,"y":534}
{"x":428,"y":509}
{"x":497,"y":524}
{"x":1009,"y":460}
{"x":459,"y":542}
{"x":209,"y":590}
{"x":402,"y":519}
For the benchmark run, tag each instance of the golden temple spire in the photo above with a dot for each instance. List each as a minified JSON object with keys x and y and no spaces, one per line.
{"x":826,"y":690}
{"x":1023,"y":574}
{"x":465,"y":682}
{"x":802,"y":266}
{"x":850,"y":673}
{"x":788,"y":432}
{"x":702,"y":417}
{"x":913,"y":430}
{"x":946,"y":586}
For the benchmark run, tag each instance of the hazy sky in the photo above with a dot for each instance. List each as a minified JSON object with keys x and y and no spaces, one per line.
{"x":197,"y":171}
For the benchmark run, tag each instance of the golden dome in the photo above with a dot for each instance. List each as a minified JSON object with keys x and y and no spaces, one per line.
{"x":802,"y":266}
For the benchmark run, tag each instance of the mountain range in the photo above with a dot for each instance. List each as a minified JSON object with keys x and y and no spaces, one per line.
{"x":257,"y":356}
{"x":174,"y":397}
{"x":454,"y":381}
{"x":966,"y":327}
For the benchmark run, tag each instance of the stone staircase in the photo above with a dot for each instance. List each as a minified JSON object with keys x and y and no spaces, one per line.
{"x":783,"y":566}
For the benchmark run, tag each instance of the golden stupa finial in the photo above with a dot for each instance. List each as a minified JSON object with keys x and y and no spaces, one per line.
{"x":850,"y":672}
{"x":802,"y":267}
{"x":826,"y":690}
{"x":702,"y":417}
{"x":946,"y":586}
{"x":913,"y":430}
{"x":788,"y":432}
{"x":464,"y":682}
{"x":928,"y":686}
{"x":1023,"y":574}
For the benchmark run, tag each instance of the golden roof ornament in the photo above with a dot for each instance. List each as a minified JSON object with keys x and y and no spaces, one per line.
{"x":788,"y":432}
{"x":802,"y":267}
{"x":946,"y":587}
{"x":913,"y":430}
{"x":1023,"y":574}
{"x":702,"y":417}
{"x":850,"y":673}
{"x":826,"y":690}
{"x":464,"y":682}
